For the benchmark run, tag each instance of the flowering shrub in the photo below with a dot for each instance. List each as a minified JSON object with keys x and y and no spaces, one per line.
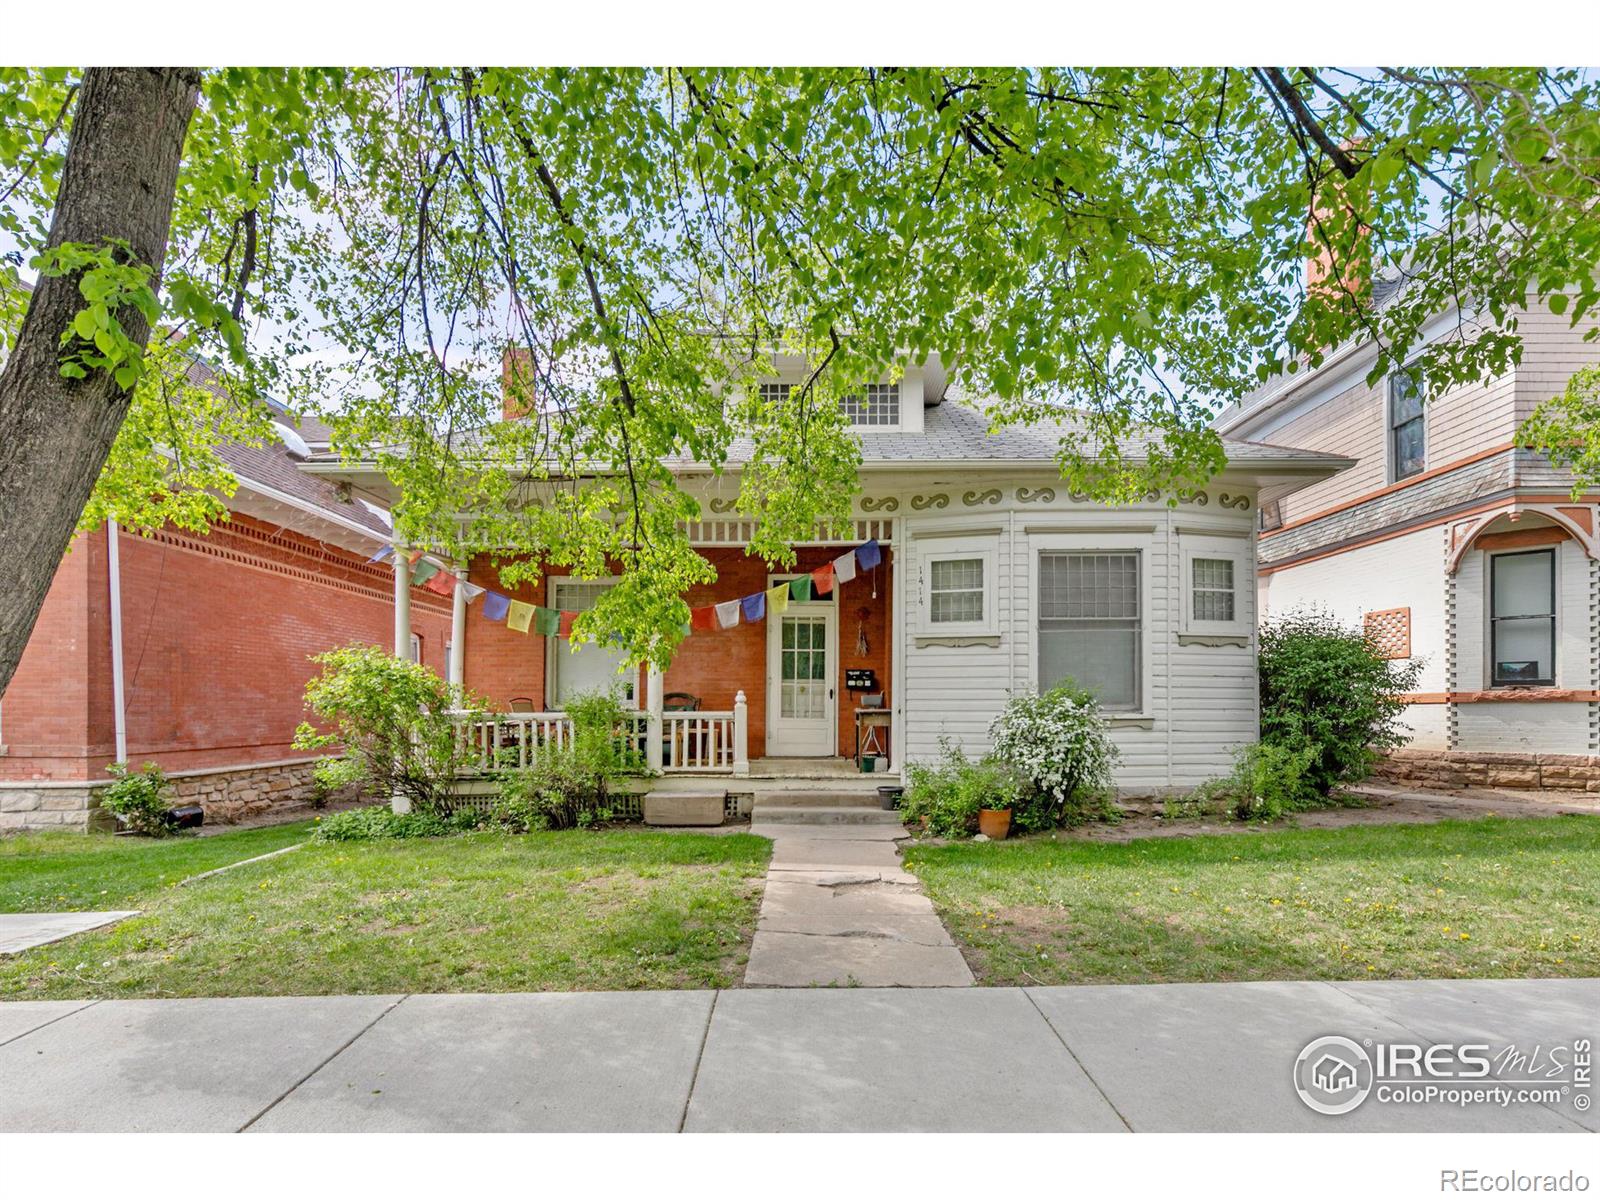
{"x":1057,"y":745}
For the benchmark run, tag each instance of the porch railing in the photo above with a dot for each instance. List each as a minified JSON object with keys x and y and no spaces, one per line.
{"x":669,"y":742}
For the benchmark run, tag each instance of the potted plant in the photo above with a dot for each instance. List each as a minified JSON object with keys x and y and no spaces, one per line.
{"x":996,"y":786}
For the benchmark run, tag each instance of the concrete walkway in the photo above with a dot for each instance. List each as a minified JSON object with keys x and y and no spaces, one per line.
{"x":840,"y":910}
{"x":1177,"y":1057}
{"x":24,"y":931}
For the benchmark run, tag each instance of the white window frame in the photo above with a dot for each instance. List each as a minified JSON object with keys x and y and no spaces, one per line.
{"x":1142,"y":544}
{"x":1235,"y":550}
{"x":556,"y":646}
{"x":860,"y":392}
{"x":959,"y":550}
{"x":757,"y":387}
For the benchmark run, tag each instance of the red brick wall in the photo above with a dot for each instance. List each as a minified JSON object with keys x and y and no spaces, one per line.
{"x":57,"y":710}
{"x":501,"y":664}
{"x":217,"y":634}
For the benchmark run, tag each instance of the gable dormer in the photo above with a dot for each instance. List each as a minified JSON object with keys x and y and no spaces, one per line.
{"x":886,"y":405}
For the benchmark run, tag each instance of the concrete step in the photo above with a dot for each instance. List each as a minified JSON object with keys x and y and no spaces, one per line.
{"x":763,"y":814}
{"x":817,"y":798}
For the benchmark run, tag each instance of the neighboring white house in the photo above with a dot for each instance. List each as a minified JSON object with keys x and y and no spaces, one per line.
{"x":1453,"y":547}
{"x":995,"y":581}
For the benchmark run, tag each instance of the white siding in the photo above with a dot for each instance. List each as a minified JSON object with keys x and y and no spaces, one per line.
{"x":1403,"y":572}
{"x":1199,"y":701}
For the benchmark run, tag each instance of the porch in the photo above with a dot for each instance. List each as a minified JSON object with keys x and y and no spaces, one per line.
{"x":766,"y":693}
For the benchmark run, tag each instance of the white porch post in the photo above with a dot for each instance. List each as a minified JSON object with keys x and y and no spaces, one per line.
{"x":655,"y":700}
{"x":741,"y":735}
{"x":458,"y":628}
{"x":402,"y":603}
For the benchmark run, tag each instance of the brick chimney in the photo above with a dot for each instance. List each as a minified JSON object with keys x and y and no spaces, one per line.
{"x":1348,"y":252}
{"x":517,"y":397}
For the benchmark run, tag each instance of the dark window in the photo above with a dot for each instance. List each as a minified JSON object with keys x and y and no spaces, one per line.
{"x":1407,"y":437}
{"x":1522,"y":618}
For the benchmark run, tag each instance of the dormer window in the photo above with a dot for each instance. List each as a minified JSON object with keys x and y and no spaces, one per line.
{"x":773,"y":394}
{"x":874,"y":404}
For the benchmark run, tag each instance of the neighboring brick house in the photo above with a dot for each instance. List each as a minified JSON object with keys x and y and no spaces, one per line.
{"x":994,"y":580}
{"x":1451,"y":546}
{"x":215,"y":637}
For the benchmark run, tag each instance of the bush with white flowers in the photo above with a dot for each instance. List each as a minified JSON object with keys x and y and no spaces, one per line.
{"x":1057,"y":744}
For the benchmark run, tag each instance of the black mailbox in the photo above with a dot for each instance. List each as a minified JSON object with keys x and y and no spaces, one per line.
{"x":860,"y":679}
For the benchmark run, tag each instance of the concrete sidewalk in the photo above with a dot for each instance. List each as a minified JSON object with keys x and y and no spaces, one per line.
{"x":1178,"y":1057}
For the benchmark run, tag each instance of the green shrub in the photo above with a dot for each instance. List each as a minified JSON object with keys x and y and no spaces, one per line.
{"x":1057,"y":745}
{"x":136,"y":799}
{"x":1266,"y":782}
{"x":1326,"y":690}
{"x":392,"y":722}
{"x":566,"y":787}
{"x":380,"y":822}
{"x":951,"y":793}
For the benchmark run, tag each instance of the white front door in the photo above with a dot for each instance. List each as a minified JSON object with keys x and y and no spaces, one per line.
{"x":802,"y":650}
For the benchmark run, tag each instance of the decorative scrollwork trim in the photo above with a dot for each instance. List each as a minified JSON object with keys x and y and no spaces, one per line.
{"x":935,"y":500}
{"x":1042,"y":495}
{"x":992,"y":496}
{"x":886,"y":504}
{"x":1240,"y":502}
{"x":721,"y":505}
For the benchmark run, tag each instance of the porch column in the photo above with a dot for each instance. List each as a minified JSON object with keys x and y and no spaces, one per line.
{"x":458,"y":628}
{"x":741,"y":735}
{"x":655,"y":693}
{"x":402,"y":603}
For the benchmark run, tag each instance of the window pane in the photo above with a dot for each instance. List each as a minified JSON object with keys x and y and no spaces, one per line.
{"x":1410,"y":454}
{"x":1522,"y":650}
{"x":1083,"y":586}
{"x":1213,"y":589}
{"x":955,"y":590}
{"x":1405,"y":398}
{"x":875,"y":404}
{"x":1106,"y":661}
{"x":1524,"y":584}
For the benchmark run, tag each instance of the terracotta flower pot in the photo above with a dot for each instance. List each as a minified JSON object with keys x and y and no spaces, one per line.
{"x":994,"y":823}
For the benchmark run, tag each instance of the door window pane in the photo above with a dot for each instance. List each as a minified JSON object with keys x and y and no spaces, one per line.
{"x":1089,"y":624}
{"x":1522,"y":617}
{"x":803,"y":668}
{"x":955,"y":590}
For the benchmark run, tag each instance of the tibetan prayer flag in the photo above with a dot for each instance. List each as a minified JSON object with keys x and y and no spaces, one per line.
{"x":703,"y":620}
{"x":424,"y":571}
{"x":800,"y":589}
{"x":442,"y":582}
{"x":755,"y":607}
{"x":869,"y":554}
{"x":728,"y":613}
{"x":472,"y":590}
{"x":567,"y":619}
{"x":547,"y":621}
{"x":382,"y":554}
{"x":844,"y":567}
{"x":683,"y":630}
{"x":413,"y":556}
{"x":777,"y":598}
{"x":822,"y":579}
{"x":521,"y":616}
{"x":495,"y":606}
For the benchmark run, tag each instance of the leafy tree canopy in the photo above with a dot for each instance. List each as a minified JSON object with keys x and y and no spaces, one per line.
{"x":628,"y":247}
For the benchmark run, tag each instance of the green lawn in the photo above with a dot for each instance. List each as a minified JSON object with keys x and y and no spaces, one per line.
{"x":1457,"y":899}
{"x":485,"y":912}
{"x":68,"y":872}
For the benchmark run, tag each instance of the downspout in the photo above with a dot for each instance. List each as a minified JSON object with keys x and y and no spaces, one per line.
{"x":119,"y":708}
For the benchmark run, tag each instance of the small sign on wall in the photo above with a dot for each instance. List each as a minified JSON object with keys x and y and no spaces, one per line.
{"x":860,"y":679}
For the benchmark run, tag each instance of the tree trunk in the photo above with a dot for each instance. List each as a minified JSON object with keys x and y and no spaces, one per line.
{"x":119,"y":181}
